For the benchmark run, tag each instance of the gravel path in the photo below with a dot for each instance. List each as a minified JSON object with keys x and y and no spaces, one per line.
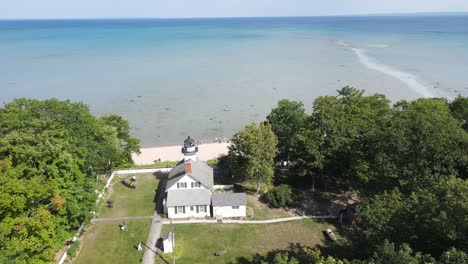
{"x":229,"y":221}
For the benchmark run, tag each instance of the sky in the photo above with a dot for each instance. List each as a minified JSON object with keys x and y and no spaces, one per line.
{"x":32,"y":9}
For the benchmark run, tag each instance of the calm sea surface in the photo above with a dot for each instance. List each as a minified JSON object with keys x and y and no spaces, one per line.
{"x":176,"y":77}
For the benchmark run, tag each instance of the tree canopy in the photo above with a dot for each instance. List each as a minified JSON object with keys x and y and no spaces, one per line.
{"x":422,"y":144}
{"x":50,"y":153}
{"x":408,"y":163}
{"x":336,"y":137}
{"x":252,"y":154}
{"x":286,"y":121}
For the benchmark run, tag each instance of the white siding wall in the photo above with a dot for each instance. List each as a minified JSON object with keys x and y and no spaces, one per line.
{"x":189,"y":181}
{"x":188,"y":212}
{"x":227,"y":211}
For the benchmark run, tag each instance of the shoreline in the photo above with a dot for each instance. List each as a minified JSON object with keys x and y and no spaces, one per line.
{"x":206,"y":151}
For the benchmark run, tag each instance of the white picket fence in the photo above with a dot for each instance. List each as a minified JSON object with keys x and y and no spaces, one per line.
{"x":103,"y":191}
{"x":128,"y":171}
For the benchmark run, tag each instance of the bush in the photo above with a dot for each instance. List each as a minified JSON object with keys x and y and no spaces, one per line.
{"x":212,"y":162}
{"x":73,"y":248}
{"x":280,"y":196}
{"x":263,"y":190}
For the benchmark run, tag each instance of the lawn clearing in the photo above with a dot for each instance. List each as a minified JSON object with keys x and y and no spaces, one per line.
{"x":106,"y":243}
{"x":131,"y":202}
{"x":196,"y":243}
{"x":262,"y":211}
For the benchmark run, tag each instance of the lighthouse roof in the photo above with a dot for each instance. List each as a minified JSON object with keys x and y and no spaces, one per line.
{"x":189,"y":142}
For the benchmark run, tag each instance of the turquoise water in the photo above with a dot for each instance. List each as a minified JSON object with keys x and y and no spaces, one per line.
{"x":175,"y":77}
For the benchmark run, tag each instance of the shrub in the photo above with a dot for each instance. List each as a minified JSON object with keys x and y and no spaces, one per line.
{"x":280,"y":196}
{"x":73,"y":248}
{"x":212,"y":162}
{"x":263,"y":190}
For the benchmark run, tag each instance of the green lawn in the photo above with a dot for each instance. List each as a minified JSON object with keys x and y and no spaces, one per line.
{"x":131,"y":202}
{"x":262,"y":211}
{"x":159,"y":164}
{"x":106,"y":243}
{"x":196,"y":243}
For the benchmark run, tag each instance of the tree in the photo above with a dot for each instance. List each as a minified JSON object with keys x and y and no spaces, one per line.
{"x":282,"y":258}
{"x":314,"y":256}
{"x":454,"y":256}
{"x":389,"y":254}
{"x":459,"y":110}
{"x":106,"y":141}
{"x":422,"y":144}
{"x":286,"y":121}
{"x":128,"y":143}
{"x":252,"y":154}
{"x":431,"y":220}
{"x":294,"y":255}
{"x":49,"y":153}
{"x":280,"y":196}
{"x":337,"y":136}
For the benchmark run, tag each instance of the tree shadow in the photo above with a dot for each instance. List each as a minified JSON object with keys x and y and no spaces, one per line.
{"x":350,"y":248}
{"x":155,"y":252}
{"x":222,"y":176}
{"x":298,"y":251}
{"x":295,"y":250}
{"x":312,"y":202}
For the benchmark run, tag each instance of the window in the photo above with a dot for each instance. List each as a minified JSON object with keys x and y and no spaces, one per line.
{"x":181,"y":185}
{"x":191,"y":208}
{"x":235,"y":207}
{"x":201,"y":209}
{"x":196,"y":185}
{"x":180,"y":210}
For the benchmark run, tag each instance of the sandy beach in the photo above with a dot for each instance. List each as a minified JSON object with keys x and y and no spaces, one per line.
{"x":171,"y":153}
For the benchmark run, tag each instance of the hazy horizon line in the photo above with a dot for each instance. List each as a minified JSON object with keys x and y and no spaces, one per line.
{"x":221,"y":17}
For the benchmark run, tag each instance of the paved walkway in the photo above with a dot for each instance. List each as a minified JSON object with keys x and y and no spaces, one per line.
{"x":229,"y":221}
{"x":153,"y":236}
{"x":101,"y":219}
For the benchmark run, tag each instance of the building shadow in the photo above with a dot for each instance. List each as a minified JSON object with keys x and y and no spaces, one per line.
{"x":160,"y":192}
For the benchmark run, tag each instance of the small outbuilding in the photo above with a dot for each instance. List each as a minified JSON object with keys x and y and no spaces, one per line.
{"x":168,"y":242}
{"x":227,"y":204}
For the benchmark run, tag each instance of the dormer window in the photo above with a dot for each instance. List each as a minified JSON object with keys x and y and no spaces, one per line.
{"x":181,"y":185}
{"x":196,"y":185}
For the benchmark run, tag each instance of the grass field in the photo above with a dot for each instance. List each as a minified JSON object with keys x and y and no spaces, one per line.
{"x":131,"y":202}
{"x":106,"y":243}
{"x":262,"y":211}
{"x":196,"y":243}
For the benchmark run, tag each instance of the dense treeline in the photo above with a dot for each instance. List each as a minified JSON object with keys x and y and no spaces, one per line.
{"x":408,"y":163}
{"x":50,"y":154}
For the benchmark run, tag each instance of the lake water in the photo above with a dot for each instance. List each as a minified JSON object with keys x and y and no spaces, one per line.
{"x":176,"y":77}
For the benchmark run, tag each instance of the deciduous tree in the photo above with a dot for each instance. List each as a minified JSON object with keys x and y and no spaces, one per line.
{"x":286,"y":121}
{"x":252,"y":154}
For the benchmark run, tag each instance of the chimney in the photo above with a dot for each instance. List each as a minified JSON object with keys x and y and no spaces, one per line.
{"x":188,"y":167}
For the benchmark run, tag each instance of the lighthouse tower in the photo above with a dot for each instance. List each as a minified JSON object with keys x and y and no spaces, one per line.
{"x":190,"y":150}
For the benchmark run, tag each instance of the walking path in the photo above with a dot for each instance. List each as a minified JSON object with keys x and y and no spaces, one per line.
{"x":101,"y":219}
{"x":153,"y":236}
{"x":229,"y":221}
